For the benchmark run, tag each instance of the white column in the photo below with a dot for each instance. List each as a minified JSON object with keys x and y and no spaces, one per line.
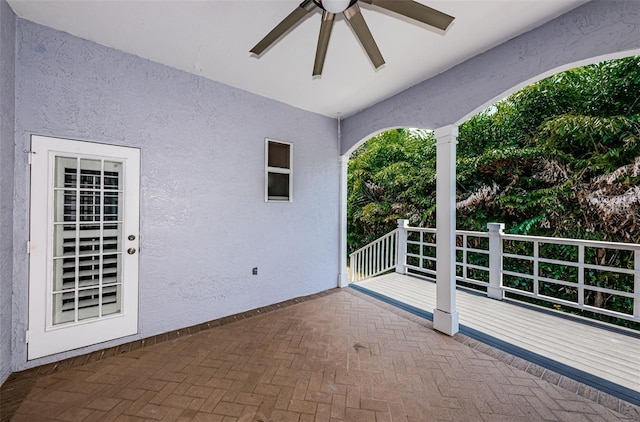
{"x":401,"y":247}
{"x":445,"y":316}
{"x":343,"y":279}
{"x":494,"y":291}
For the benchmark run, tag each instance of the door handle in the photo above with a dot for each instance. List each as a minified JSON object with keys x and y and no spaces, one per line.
{"x":131,"y":251}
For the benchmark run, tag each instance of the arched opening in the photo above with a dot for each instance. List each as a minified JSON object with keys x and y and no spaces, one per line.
{"x":526,"y":184}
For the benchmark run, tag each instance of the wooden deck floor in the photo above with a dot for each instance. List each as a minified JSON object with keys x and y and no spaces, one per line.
{"x":595,"y":354}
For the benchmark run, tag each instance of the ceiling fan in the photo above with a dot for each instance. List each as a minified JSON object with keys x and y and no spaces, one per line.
{"x":352,"y":13}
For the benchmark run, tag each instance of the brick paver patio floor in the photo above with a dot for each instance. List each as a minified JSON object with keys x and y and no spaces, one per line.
{"x":338,"y":357}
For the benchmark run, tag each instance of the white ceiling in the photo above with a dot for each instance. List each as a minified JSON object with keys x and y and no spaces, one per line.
{"x":212,"y":38}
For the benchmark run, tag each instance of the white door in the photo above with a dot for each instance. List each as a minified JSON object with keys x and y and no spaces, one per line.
{"x":83,"y":279}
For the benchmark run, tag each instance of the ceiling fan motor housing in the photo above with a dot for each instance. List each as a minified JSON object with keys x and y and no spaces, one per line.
{"x":335,"y":6}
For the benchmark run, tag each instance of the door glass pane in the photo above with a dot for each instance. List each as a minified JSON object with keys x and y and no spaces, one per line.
{"x":88,"y":303}
{"x":64,"y":307}
{"x":65,"y":206}
{"x":112,"y":211}
{"x":111,"y":300}
{"x":64,"y":240}
{"x":111,"y":235}
{"x":110,"y":266}
{"x":64,"y":274}
{"x":87,"y":239}
{"x":90,"y":174}
{"x":112,"y":175}
{"x":89,"y":207}
{"x":88,"y":271}
{"x":66,"y":172}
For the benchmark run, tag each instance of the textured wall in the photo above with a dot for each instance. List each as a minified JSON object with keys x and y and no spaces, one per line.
{"x":596,"y":29}
{"x":204,"y":222}
{"x":7,"y":84}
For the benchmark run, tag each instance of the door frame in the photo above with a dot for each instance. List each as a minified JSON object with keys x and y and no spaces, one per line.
{"x":43,"y":337}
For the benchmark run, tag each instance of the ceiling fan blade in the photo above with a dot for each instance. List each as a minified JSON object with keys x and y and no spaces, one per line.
{"x":354,"y":16}
{"x":415,"y":10}
{"x":323,"y":42}
{"x":287,"y":23}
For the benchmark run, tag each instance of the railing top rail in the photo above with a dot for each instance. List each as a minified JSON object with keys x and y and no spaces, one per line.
{"x":421,"y":229}
{"x":575,"y":242}
{"x":368,"y":245}
{"x":543,"y":239}
{"x":471,"y":233}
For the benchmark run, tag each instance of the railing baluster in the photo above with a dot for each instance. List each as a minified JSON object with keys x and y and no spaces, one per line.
{"x":383,"y":254}
{"x":536,"y":281}
{"x":386,"y":251}
{"x":373,"y":258}
{"x":383,"y":248}
{"x":423,"y":256}
{"x":465,"y":258}
{"x":367,"y":262}
{"x":377,"y":258}
{"x":636,"y":284}
{"x":581,"y":275}
{"x":392,"y":249}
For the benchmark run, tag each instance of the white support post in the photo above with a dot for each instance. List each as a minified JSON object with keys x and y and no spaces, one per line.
{"x":445,"y":316}
{"x":401,"y":247}
{"x":343,"y":278}
{"x":494,"y":291}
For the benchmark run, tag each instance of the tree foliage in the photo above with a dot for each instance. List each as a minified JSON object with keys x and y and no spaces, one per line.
{"x":557,"y":158}
{"x":391,"y":176}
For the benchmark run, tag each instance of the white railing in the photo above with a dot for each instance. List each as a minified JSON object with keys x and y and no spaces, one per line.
{"x":582,"y":283}
{"x":376,"y":258}
{"x":421,"y":251}
{"x":589,"y":275}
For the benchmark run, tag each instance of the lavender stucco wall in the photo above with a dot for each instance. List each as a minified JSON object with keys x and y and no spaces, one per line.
{"x":595,"y":30}
{"x":7,"y":104}
{"x":204,"y":222}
